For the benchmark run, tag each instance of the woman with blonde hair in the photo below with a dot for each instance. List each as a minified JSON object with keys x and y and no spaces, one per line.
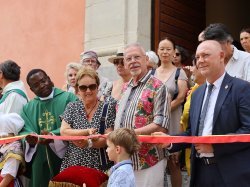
{"x":83,"y":118}
{"x":70,"y":74}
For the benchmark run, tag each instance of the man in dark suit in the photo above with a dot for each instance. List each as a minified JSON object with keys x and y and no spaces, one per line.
{"x":223,"y":109}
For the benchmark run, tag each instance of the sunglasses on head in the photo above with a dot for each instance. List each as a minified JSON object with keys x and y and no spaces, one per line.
{"x":118,"y":61}
{"x":84,"y":88}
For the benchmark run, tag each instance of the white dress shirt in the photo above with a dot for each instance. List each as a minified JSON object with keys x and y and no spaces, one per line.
{"x":208,"y":122}
{"x":239,"y":65}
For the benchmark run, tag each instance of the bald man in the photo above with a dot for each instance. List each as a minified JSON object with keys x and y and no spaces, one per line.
{"x":221,"y":109}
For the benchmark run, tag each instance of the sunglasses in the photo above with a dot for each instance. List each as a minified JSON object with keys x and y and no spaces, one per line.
{"x":118,"y":61}
{"x":84,"y":88}
{"x":177,"y":54}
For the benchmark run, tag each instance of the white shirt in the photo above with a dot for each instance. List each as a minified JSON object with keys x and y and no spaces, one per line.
{"x":50,"y":96}
{"x":10,"y":123}
{"x":14,"y":102}
{"x":239,"y":65}
{"x":208,"y":122}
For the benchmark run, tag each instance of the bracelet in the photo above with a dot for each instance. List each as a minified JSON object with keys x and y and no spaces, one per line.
{"x":90,"y":143}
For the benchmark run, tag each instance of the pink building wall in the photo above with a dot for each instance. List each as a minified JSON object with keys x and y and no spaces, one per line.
{"x":46,"y":34}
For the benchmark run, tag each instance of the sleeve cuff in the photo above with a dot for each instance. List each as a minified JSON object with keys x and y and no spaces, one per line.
{"x":158,"y":120}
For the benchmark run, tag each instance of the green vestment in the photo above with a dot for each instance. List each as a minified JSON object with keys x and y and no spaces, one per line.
{"x":44,"y":115}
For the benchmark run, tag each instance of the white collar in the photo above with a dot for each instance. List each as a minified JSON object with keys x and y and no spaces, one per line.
{"x":51,"y":95}
{"x":235,"y":54}
{"x":218,"y":82}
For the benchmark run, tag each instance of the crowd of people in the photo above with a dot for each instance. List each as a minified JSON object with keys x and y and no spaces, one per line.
{"x":157,"y":94}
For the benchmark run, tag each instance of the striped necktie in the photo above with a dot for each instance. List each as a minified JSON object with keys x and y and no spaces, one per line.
{"x":204,"y":110}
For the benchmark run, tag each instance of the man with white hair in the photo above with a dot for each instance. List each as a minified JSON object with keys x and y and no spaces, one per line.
{"x":153,"y":60}
{"x":144,"y":107}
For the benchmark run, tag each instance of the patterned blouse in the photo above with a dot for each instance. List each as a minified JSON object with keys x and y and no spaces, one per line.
{"x":75,"y":116}
{"x":142,"y":105}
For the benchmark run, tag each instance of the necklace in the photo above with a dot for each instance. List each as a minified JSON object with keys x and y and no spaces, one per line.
{"x":88,"y":113}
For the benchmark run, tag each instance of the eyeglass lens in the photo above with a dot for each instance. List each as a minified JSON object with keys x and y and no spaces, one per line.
{"x":85,"y":87}
{"x":118,"y":61}
{"x":89,"y":61}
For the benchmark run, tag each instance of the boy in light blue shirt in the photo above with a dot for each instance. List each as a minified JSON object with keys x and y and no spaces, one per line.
{"x":122,"y":143}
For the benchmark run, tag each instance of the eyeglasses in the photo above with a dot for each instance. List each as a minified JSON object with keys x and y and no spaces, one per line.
{"x":89,"y":61}
{"x":84,"y":88}
{"x":177,"y":54}
{"x":118,"y":61}
{"x":136,"y":58}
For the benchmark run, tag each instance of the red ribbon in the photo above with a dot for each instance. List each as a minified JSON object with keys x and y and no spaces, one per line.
{"x":149,"y":139}
{"x":196,"y":139}
{"x":10,"y":139}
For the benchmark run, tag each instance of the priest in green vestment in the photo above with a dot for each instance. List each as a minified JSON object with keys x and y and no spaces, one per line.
{"x":42,"y":116}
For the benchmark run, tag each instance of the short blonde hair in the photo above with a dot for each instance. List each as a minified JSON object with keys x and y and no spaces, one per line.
{"x":87,"y":71}
{"x":125,"y":138}
{"x":72,"y":65}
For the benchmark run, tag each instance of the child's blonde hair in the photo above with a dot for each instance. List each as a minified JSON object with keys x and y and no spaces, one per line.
{"x":125,"y":138}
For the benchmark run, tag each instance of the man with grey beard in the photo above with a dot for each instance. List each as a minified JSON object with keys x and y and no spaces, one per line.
{"x":144,"y":107}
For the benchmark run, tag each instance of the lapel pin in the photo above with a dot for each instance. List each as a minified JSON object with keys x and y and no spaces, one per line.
{"x":226,"y":87}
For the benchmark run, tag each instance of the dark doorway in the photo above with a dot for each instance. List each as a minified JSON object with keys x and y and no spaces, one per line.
{"x":181,"y":20}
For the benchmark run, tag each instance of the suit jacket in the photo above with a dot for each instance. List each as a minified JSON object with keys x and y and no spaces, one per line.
{"x":231,"y":116}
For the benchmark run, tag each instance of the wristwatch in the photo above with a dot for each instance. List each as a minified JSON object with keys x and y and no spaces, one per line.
{"x":90,"y":143}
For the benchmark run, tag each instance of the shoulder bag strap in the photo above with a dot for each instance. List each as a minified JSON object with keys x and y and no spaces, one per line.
{"x":103,"y":154}
{"x":177,"y":73}
{"x":103,"y":119}
{"x":153,"y":72}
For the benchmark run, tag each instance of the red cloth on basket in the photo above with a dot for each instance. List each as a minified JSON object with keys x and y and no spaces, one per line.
{"x":79,"y":174}
{"x":11,"y":183}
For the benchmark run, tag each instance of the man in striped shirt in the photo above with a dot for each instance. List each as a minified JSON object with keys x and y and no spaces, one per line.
{"x":144,"y":107}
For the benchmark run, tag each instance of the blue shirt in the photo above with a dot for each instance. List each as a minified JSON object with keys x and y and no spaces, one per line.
{"x":122,"y":175}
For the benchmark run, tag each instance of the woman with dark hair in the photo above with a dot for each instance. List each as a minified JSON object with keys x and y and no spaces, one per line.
{"x":245,"y":39}
{"x":180,"y":57}
{"x":175,"y":80}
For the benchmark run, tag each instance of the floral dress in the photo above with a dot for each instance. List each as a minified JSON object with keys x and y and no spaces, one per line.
{"x":75,"y":116}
